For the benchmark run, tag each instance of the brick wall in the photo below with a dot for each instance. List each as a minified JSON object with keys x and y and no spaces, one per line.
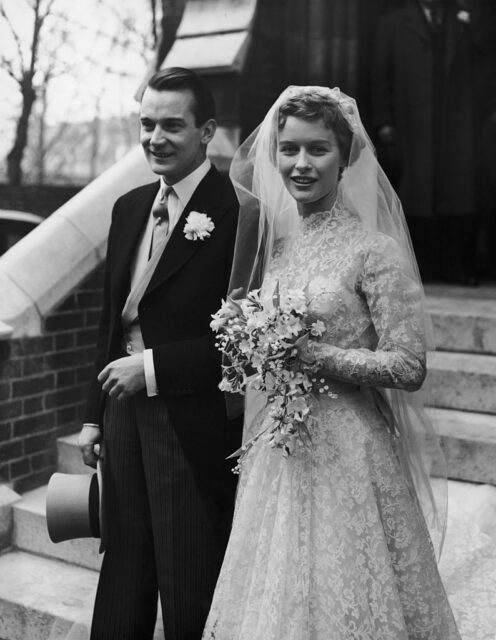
{"x":43,"y":383}
{"x":42,"y":199}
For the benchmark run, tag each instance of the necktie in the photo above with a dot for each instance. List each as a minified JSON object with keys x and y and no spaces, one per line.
{"x":160,"y":211}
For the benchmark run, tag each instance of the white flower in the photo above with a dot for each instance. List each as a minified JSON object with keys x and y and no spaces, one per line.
{"x":225,"y":385}
{"x":198,"y":226}
{"x":463,"y":16}
{"x":318,"y":328}
{"x":293,"y":300}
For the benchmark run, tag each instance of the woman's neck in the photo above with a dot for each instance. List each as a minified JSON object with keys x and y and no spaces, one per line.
{"x":306,"y":209}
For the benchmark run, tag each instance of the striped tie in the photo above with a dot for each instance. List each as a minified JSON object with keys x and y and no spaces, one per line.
{"x":160,"y":211}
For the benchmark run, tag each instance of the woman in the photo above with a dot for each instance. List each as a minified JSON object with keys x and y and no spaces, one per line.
{"x":331,"y":543}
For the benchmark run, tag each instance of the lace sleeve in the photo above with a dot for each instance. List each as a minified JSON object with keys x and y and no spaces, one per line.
{"x":394,"y":303}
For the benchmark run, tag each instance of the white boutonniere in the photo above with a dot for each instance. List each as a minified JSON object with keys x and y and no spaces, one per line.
{"x":198,"y":226}
{"x":463,"y":16}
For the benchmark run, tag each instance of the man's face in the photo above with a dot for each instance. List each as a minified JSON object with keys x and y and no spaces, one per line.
{"x":174,"y":146}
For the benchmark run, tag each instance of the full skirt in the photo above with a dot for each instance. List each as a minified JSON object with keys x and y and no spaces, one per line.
{"x":330,"y":543}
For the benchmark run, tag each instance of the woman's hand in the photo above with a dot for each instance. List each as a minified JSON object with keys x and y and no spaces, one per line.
{"x":306,"y":349}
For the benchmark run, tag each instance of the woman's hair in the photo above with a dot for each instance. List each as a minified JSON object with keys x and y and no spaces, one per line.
{"x":313,"y":106}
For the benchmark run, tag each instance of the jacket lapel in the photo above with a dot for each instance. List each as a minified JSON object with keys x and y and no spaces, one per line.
{"x":132,"y":224}
{"x":416,"y":22}
{"x":179,"y":249}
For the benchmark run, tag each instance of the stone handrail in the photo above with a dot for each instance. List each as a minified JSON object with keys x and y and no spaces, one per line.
{"x":44,"y":267}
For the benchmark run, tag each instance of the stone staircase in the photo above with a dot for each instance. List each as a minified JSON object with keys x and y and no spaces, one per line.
{"x":462,"y":376}
{"x":46,"y":587}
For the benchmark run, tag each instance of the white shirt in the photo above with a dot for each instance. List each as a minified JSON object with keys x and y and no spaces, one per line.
{"x":176,"y":202}
{"x":428,"y":14}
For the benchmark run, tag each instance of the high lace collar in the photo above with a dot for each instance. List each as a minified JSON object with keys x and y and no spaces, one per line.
{"x":320,"y":218}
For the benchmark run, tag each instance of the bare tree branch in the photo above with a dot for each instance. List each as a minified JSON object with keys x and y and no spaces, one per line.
{"x":37,"y":24}
{"x":15,"y":37}
{"x":42,"y":59}
{"x":128,"y":27}
{"x":47,"y":11}
{"x":9,"y":68}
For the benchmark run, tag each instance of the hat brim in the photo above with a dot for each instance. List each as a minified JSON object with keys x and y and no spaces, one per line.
{"x":74,"y":506}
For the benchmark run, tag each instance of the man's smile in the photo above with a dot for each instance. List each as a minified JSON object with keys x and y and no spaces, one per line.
{"x":161,"y":155}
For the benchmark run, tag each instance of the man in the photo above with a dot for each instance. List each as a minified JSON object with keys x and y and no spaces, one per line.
{"x":423,"y":115}
{"x":168,"y":489}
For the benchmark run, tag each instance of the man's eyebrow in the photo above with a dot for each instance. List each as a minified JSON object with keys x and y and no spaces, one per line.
{"x":171,"y":120}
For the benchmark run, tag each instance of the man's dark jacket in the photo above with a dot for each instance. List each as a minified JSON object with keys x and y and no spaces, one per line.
{"x":190,"y":280}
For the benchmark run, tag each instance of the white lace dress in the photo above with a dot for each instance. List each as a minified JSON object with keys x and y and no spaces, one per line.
{"x":329,"y":544}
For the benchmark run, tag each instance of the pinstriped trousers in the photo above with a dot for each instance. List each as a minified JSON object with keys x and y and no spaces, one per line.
{"x":162,"y":533}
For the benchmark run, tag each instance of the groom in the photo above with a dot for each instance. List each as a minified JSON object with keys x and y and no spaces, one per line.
{"x":168,"y":490}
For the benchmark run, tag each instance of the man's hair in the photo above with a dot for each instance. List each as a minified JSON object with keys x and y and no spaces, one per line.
{"x":177,"y":78}
{"x":313,"y":106}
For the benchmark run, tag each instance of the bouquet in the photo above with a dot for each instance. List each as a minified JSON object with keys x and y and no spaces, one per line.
{"x":261,"y":345}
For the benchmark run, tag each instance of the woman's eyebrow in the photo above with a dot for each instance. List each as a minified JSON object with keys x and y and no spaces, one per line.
{"x":316,"y":141}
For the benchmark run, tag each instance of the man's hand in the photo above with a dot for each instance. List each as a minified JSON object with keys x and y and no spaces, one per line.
{"x":124,"y":377}
{"x":89,"y":443}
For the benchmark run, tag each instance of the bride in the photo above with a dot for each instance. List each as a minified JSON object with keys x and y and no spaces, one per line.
{"x":337,"y":541}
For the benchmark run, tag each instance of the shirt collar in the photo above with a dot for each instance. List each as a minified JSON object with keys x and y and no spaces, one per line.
{"x":185,"y":188}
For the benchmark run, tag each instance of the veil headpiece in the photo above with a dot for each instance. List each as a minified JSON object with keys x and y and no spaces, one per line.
{"x":268,"y":213}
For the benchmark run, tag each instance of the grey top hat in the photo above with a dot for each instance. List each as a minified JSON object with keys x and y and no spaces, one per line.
{"x":74,"y":506}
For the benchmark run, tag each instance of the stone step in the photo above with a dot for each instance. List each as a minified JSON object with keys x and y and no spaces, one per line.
{"x":469,"y":444}
{"x":42,"y":598}
{"x":30,"y":534}
{"x":69,"y":456}
{"x":464,"y":324}
{"x":461,"y":381}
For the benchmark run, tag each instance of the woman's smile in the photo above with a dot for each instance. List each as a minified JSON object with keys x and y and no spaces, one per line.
{"x":303,"y":181}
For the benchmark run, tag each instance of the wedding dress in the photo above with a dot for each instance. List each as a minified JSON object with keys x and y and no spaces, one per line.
{"x":330,"y":543}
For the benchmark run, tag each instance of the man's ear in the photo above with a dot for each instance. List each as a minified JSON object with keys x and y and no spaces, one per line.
{"x":208,"y":130}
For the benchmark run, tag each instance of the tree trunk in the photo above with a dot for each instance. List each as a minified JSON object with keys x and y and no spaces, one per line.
{"x":172,"y":13}
{"x":15,"y":156}
{"x":42,"y":135}
{"x":154,"y":22}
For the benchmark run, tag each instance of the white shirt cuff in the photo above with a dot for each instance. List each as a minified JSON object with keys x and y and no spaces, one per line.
{"x":150,"y":380}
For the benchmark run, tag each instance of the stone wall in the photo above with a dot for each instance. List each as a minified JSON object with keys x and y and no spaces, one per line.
{"x":43,"y":383}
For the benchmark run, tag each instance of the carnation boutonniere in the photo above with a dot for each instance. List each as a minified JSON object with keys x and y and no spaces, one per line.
{"x":463,"y":16}
{"x":198,"y":226}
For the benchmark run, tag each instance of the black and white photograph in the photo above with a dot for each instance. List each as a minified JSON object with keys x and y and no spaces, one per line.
{"x":247,"y":320}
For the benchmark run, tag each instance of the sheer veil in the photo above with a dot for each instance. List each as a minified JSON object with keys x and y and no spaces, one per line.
{"x":268,"y":213}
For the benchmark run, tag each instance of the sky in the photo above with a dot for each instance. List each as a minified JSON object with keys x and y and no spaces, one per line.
{"x":99,"y":65}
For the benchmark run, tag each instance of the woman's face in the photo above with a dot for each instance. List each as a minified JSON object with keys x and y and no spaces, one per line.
{"x":309,"y":160}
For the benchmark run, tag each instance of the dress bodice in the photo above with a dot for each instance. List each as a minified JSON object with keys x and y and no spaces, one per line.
{"x":358,"y":285}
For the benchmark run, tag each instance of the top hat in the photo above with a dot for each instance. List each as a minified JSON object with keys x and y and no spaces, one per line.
{"x":74,"y":506}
